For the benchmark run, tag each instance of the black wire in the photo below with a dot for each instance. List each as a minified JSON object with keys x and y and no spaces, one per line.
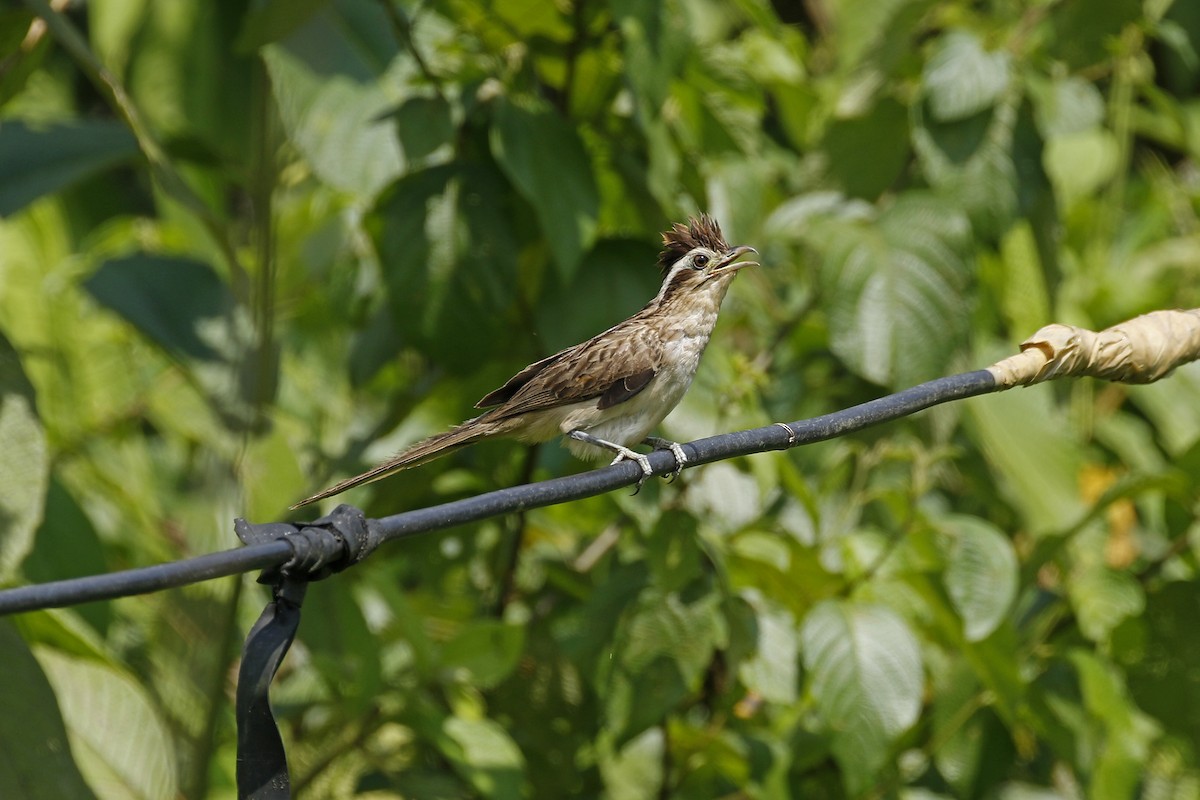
{"x":516,"y":498}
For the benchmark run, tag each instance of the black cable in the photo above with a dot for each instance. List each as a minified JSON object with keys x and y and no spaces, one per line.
{"x":279,"y":551}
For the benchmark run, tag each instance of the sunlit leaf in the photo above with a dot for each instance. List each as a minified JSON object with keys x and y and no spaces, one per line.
{"x":1102,"y":599}
{"x":37,"y":762}
{"x":865,"y":676}
{"x":339,"y":124}
{"x":896,"y":289}
{"x":118,"y":741}
{"x":981,"y":576}
{"x":961,"y":78}
{"x":25,"y":465}
{"x":545,"y":160}
{"x":486,"y":756}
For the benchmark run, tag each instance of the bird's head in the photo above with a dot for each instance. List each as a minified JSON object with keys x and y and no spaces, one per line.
{"x":696,"y":257}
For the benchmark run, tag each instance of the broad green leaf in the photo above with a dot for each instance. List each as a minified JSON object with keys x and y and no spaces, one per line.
{"x":635,"y":772}
{"x":773,"y":671}
{"x":450,"y":264}
{"x":544,"y":158}
{"x":1087,"y":31}
{"x":1102,"y":599}
{"x":882,"y":132}
{"x":39,"y":160}
{"x":1163,"y":681}
{"x":339,"y":124}
{"x":25,"y":464}
{"x":1026,"y":300}
{"x":1028,"y":445}
{"x":42,"y":160}
{"x":1066,"y":105}
{"x":173,"y":301}
{"x":617,"y":277}
{"x":867,"y":27}
{"x":424,"y":124}
{"x":486,"y":757}
{"x":973,"y":162}
{"x":865,"y":676}
{"x":962,"y":79}
{"x":484,"y":653}
{"x":119,"y":742}
{"x":1120,"y":761}
{"x":981,"y":576}
{"x":67,"y":546}
{"x":271,"y":475}
{"x":272,"y":20}
{"x":1080,"y":163}
{"x":896,"y":289}
{"x":35,"y":759}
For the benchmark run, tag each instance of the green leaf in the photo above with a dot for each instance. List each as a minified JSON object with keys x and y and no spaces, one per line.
{"x":1080,"y":163}
{"x":961,"y":78}
{"x":882,"y":132}
{"x":67,"y":546}
{"x":451,"y":263}
{"x":981,"y":576}
{"x":1164,"y":682}
{"x":773,"y":671}
{"x":36,"y":761}
{"x":1068,"y":104}
{"x":635,"y":772}
{"x":25,"y":467}
{"x":865,"y":677}
{"x":1121,"y":754}
{"x":272,"y":20}
{"x":39,"y":160}
{"x":424,"y":124}
{"x":173,"y":301}
{"x":486,"y":756}
{"x":617,"y":277}
{"x":1030,"y":449}
{"x":544,"y":158}
{"x":118,"y":740}
{"x":1102,"y":599}
{"x":896,"y":290}
{"x":339,"y":124}
{"x":485,"y":652}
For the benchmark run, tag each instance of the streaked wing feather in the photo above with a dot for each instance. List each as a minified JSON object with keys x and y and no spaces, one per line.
{"x":518,"y":381}
{"x":592,"y":370}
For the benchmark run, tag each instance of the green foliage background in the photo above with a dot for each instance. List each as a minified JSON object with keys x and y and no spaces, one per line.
{"x":249,"y":248}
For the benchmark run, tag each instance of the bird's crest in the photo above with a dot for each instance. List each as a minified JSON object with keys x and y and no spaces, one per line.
{"x":681,"y":239}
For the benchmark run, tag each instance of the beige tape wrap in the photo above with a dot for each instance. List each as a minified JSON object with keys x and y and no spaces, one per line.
{"x":1141,"y":350}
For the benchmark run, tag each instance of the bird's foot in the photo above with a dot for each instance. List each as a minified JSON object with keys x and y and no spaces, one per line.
{"x":676,"y":449}
{"x":623,"y":454}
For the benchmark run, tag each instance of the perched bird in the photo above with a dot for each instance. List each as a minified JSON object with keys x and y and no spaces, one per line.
{"x":609,"y":392}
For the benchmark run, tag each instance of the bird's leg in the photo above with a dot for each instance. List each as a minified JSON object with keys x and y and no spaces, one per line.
{"x":622,"y":452}
{"x":681,"y":459}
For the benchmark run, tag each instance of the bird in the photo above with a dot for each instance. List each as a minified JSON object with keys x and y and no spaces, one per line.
{"x":609,"y":392}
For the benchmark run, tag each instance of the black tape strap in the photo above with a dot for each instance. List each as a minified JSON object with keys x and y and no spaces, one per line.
{"x":319,"y":549}
{"x":262,"y":772}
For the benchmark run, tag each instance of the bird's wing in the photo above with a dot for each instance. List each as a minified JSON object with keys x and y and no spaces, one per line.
{"x":610,"y":367}
{"x":518,"y":381}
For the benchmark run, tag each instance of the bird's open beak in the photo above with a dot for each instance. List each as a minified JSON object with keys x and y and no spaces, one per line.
{"x":729,"y":262}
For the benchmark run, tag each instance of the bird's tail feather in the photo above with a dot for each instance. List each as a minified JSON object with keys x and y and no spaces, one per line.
{"x":425,"y":450}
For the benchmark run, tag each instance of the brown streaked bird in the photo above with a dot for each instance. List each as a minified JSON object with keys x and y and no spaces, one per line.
{"x":610,"y":392}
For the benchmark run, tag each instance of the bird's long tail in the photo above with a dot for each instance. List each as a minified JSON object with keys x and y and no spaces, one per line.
{"x":435,"y":446}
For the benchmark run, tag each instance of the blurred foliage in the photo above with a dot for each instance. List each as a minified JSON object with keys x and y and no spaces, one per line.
{"x":249,"y":248}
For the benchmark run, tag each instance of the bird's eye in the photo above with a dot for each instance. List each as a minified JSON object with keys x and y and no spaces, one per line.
{"x":699,"y":260}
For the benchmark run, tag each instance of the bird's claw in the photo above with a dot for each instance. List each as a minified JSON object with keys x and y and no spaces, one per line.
{"x":625,"y":454}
